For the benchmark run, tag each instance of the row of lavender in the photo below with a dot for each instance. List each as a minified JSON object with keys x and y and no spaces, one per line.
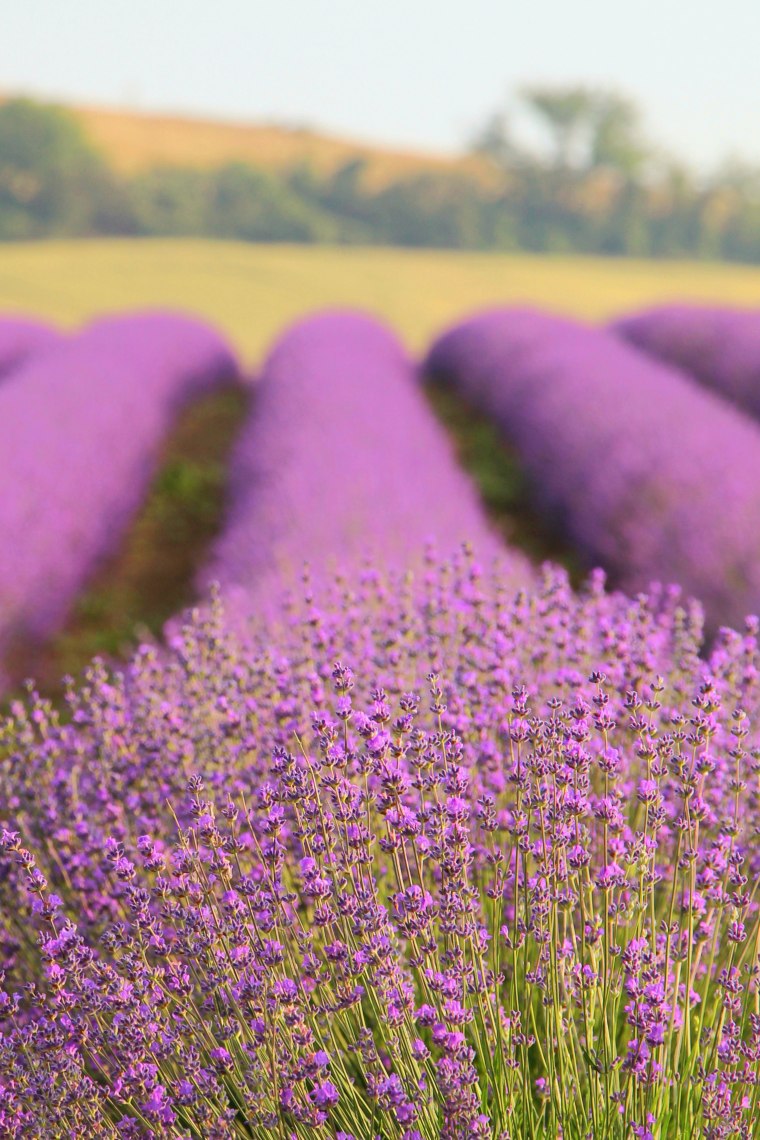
{"x":82,"y":421}
{"x":432,"y":860}
{"x":21,"y":337}
{"x":645,"y":473}
{"x":720,"y":347}
{"x":648,"y":474}
{"x":342,"y":460}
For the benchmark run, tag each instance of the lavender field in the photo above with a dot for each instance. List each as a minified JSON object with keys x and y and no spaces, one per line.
{"x":398,"y":830}
{"x":80,"y":426}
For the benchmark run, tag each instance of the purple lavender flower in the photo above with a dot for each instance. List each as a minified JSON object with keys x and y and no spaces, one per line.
{"x":81,"y":426}
{"x":21,"y":337}
{"x":516,"y":915}
{"x":341,"y":458}
{"x":719,"y":347}
{"x":648,"y":475}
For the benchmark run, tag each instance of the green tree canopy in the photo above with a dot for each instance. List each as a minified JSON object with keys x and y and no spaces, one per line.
{"x":51,"y":179}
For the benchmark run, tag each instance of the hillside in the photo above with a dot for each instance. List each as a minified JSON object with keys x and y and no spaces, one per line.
{"x":133,"y":141}
{"x":98,"y":172}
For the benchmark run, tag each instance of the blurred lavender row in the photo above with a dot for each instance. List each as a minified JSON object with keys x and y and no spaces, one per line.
{"x":19,"y":338}
{"x":720,"y":347}
{"x":647,"y":474}
{"x":341,"y":459}
{"x":81,"y":428}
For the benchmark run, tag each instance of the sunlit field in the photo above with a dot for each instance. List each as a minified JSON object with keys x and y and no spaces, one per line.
{"x":134,"y":142}
{"x":379,"y":572}
{"x":401,"y":832}
{"x":253,"y":291}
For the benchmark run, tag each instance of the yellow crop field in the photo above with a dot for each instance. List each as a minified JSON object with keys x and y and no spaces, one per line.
{"x":253,"y":291}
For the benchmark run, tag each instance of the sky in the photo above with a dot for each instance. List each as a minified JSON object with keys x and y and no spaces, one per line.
{"x":422,"y":74}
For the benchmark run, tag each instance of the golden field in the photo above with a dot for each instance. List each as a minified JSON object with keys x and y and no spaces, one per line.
{"x":253,"y":291}
{"x":131,"y":142}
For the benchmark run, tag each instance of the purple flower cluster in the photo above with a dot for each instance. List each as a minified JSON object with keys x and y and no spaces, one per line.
{"x":424,"y":858}
{"x":440,"y":863}
{"x":720,"y":347}
{"x":341,"y":458}
{"x":647,"y":474}
{"x":19,"y":338}
{"x":81,"y":426}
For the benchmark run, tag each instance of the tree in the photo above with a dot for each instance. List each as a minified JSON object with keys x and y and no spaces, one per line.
{"x":52,"y":181}
{"x":590,"y":128}
{"x":494,"y":141}
{"x":616,"y":135}
{"x":257,"y":206}
{"x":568,"y":113}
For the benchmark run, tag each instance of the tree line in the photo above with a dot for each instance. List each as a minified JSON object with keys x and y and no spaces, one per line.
{"x":596,"y":186}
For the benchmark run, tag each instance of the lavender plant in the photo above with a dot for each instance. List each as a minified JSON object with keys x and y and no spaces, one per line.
{"x":427,"y":860}
{"x":645,"y":473}
{"x":81,"y":426}
{"x":341,"y":456}
{"x":21,"y":336}
{"x":720,"y":347}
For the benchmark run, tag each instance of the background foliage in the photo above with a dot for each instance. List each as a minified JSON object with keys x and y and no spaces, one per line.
{"x":596,"y":186}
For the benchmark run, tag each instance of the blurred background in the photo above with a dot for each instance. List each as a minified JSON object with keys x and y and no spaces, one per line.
{"x":248,"y":162}
{"x":280,"y":151}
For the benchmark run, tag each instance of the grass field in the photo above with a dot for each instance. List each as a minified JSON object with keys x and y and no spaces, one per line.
{"x":253,"y":291}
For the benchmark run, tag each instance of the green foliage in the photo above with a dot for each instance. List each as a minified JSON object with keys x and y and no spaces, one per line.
{"x":255,"y":206}
{"x":235,"y":201}
{"x":598,"y":188}
{"x":51,"y":180}
{"x":170,"y":201}
{"x":590,"y":129}
{"x":568,"y":112}
{"x":616,"y":140}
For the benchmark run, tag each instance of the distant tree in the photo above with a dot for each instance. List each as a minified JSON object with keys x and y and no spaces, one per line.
{"x":52,"y":181}
{"x":742,"y":179}
{"x":598,"y":188}
{"x":590,"y":127}
{"x":567,"y":112}
{"x":431,"y":209}
{"x":494,"y":140}
{"x":616,"y":140}
{"x":233,"y":201}
{"x":254,"y":205}
{"x":344,"y":192}
{"x":170,"y":201}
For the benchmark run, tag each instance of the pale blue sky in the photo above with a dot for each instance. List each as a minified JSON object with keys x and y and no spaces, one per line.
{"x":420,"y":73}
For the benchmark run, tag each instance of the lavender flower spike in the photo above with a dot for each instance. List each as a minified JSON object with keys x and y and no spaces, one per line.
{"x":432,"y":863}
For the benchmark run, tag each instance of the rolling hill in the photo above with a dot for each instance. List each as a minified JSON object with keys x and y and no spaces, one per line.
{"x":133,"y":141}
